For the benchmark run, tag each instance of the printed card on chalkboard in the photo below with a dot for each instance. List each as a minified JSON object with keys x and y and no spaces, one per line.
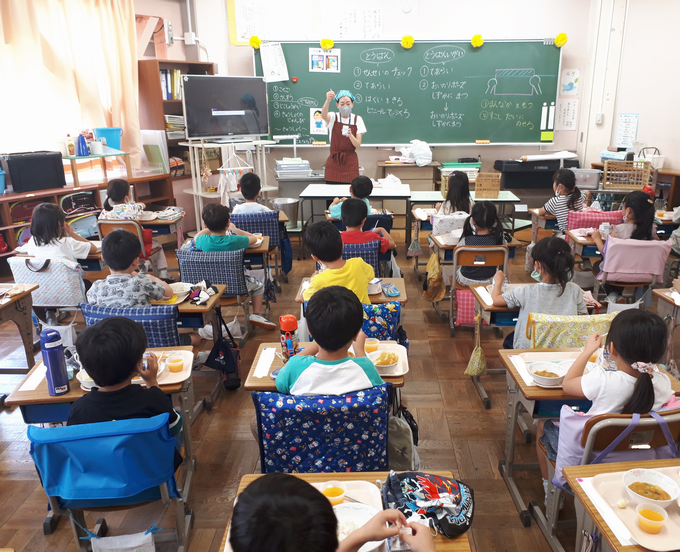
{"x":487,"y":186}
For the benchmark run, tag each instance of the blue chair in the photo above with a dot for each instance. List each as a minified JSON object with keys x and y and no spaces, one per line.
{"x":159,"y":321}
{"x":267,"y":224}
{"x":369,"y":252}
{"x":133,"y":466}
{"x":309,"y":434}
{"x":223,"y":267}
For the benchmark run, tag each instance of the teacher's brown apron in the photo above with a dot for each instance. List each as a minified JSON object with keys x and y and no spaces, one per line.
{"x":342,"y":164}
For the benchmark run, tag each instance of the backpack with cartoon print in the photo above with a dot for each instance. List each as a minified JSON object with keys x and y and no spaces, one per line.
{"x":442,"y":502}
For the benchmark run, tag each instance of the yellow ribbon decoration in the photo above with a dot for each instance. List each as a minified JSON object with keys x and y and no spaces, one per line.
{"x":477,"y":41}
{"x":255,"y":42}
{"x":326,"y":43}
{"x":561,"y":40}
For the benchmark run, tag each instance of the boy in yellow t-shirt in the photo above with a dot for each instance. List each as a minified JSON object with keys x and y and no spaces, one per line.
{"x":325,"y":246}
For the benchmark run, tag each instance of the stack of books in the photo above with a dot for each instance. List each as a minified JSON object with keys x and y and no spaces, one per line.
{"x":170,"y":84}
{"x":174,"y":126}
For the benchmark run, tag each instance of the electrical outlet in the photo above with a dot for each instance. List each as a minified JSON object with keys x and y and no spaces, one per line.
{"x":169,"y":37}
{"x":599,"y":118}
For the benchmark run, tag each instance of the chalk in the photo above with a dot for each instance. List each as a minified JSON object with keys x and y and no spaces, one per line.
{"x":482,"y":141}
{"x":318,"y":143}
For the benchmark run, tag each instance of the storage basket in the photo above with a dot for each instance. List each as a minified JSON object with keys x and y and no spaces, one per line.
{"x":487,"y":186}
{"x":626,"y":175}
{"x":655,"y":157}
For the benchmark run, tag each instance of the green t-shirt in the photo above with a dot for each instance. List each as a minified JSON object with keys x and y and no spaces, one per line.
{"x":336,"y":210}
{"x":210,"y":242}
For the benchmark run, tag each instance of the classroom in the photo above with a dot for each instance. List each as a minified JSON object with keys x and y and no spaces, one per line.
{"x":468,"y":214}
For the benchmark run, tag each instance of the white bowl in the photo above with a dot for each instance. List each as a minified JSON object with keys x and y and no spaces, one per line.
{"x":561,"y":371}
{"x":376,"y":354}
{"x":85,"y":380}
{"x":655,"y":478}
{"x":374,"y":289}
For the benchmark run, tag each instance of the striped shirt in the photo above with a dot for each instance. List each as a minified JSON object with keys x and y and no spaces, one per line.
{"x":558,"y":206}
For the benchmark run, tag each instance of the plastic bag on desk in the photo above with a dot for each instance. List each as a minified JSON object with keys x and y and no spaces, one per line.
{"x":421,"y":153}
{"x":390,"y":181}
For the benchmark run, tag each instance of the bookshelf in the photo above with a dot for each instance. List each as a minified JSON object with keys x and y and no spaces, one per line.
{"x":154,"y":189}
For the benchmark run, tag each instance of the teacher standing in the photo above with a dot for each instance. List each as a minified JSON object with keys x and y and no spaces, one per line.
{"x":346,"y":130}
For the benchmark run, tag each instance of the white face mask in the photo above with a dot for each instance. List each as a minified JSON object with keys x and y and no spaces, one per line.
{"x":345,"y":110}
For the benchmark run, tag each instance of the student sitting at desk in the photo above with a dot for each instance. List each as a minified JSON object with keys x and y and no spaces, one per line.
{"x":457,"y":195}
{"x":554,"y":293}
{"x":53,"y":238}
{"x":360,"y":188}
{"x":354,"y":215}
{"x":125,"y":287}
{"x":325,"y":246}
{"x":250,"y":188}
{"x":118,"y":205}
{"x":299,"y":517}
{"x":112,"y":354}
{"x":482,"y":227}
{"x":334,"y":318}
{"x":221,"y":235}
{"x":638,"y":224}
{"x":567,"y":198}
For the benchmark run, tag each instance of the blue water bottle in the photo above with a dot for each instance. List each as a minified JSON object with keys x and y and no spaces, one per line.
{"x":55,"y":362}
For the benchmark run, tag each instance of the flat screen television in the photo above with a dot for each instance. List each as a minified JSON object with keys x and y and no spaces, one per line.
{"x":229,"y":108}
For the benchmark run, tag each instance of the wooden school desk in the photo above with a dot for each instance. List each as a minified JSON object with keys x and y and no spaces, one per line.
{"x":331,"y":191}
{"x":588,"y":518}
{"x":38,"y":406}
{"x":442,"y":544}
{"x":423,"y":222}
{"x":19,"y":309}
{"x":549,"y":222}
{"x":668,"y":310}
{"x":268,"y":384}
{"x":533,"y":400}
{"x":419,"y":197}
{"x":164,"y":227}
{"x":377,"y":299}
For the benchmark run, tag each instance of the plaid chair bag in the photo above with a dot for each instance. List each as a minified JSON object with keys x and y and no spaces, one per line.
{"x":221,"y":267}
{"x":60,"y":281}
{"x":159,"y":321}
{"x":592,"y":219}
{"x":323,"y":433}
{"x":266,"y":224}
{"x":368,"y":251}
{"x":553,"y":331}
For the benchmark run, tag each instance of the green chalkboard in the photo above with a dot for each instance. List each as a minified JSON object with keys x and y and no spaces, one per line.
{"x":440,"y":92}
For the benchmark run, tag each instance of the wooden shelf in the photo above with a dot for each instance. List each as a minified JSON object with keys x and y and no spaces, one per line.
{"x":155,"y":199}
{"x":172,"y":101}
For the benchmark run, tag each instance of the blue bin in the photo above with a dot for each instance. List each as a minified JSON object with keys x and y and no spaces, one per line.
{"x":2,"y":181}
{"x":111,"y":134}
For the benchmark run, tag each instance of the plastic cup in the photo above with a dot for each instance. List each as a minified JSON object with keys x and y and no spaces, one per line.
{"x":651,"y":517}
{"x":660,"y":214}
{"x":175,"y":364}
{"x":334,"y":491}
{"x":371,"y":345}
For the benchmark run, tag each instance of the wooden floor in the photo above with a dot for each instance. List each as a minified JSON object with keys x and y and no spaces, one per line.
{"x":456,"y":434}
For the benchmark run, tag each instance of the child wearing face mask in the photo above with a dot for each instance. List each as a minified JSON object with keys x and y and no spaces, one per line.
{"x":346,"y":131}
{"x":554,"y":293}
{"x":638,"y":224}
{"x":482,"y":227}
{"x":567,"y":198}
{"x":119,"y":205}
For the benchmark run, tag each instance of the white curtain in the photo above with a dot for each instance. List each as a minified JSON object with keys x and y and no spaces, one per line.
{"x":67,"y":65}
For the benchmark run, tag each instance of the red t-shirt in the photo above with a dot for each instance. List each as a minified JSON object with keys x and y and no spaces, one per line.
{"x":357,"y":236}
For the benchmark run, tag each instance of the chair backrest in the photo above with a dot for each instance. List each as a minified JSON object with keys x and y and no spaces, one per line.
{"x":218,"y":267}
{"x":480,"y":255}
{"x":368,"y":251}
{"x":634,"y":261}
{"x":107,"y":226}
{"x":60,"y":281}
{"x":159,"y":322}
{"x":383,"y":221}
{"x":600,"y":431}
{"x":323,"y":433}
{"x":550,"y":331}
{"x":382,"y":320}
{"x":592,"y":219}
{"x":134,"y":458}
{"x":266,"y":223}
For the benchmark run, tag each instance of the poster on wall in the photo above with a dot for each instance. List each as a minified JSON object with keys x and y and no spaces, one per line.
{"x":321,"y":60}
{"x":569,"y":82}
{"x":626,"y":129}
{"x":567,"y":110}
{"x":274,"y":66}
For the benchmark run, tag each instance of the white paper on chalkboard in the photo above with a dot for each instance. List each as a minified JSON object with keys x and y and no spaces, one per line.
{"x":274,"y":66}
{"x":626,"y":129}
{"x":324,"y":61}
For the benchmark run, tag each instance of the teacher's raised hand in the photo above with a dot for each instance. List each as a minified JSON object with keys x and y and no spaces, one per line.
{"x":330,"y":95}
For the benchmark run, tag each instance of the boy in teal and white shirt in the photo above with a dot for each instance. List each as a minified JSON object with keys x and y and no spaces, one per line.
{"x":334,"y":317}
